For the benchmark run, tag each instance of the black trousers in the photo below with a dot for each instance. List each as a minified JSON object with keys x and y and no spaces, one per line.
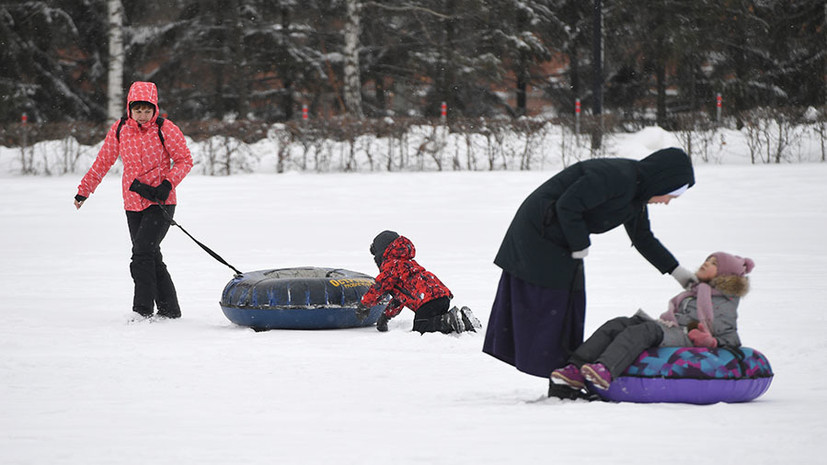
{"x":153,"y":284}
{"x":618,"y":343}
{"x":428,"y":318}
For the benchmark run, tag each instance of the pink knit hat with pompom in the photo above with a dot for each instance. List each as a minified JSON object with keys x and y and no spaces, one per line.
{"x":733,"y":264}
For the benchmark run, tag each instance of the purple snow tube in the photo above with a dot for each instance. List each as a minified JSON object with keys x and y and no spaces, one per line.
{"x":694,"y":375}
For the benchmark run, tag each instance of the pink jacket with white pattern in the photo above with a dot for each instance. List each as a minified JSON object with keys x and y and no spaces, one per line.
{"x":143,"y":155}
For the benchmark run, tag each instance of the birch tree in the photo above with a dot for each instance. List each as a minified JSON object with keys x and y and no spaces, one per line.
{"x":353,"y":82}
{"x":114,"y":94}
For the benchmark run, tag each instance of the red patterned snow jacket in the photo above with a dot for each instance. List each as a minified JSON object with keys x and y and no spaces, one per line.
{"x":408,"y":283}
{"x":143,"y":155}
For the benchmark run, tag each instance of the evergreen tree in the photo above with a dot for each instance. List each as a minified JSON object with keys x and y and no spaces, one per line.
{"x":568,"y":32}
{"x":739,"y":57}
{"x":262,"y":59}
{"x":53,"y":59}
{"x":797,"y":49}
{"x":515,"y":28}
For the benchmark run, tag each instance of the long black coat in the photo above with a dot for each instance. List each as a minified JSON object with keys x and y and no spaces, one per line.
{"x":592,"y":196}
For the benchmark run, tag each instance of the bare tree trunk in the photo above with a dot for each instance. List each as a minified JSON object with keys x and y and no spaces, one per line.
{"x":239,"y":62}
{"x":523,"y":76}
{"x":660,"y":84}
{"x":597,"y":78}
{"x":114,"y":93}
{"x":353,"y":83}
{"x":287,"y":102}
{"x":522,"y":88}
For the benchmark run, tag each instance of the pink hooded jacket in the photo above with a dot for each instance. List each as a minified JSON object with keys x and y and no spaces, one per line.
{"x":143,"y":155}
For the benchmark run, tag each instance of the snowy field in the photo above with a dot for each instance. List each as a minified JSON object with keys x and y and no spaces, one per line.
{"x":80,"y":385}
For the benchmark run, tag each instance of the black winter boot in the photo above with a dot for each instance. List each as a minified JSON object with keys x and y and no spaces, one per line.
{"x":143,"y":311}
{"x":168,"y":311}
{"x":561,"y":391}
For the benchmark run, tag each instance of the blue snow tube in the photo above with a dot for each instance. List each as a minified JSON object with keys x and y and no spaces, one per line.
{"x":298,"y":298}
{"x":694,"y":375}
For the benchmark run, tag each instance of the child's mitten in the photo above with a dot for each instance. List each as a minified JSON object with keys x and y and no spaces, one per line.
{"x":382,"y":324}
{"x":362,"y":312}
{"x":701,"y":337}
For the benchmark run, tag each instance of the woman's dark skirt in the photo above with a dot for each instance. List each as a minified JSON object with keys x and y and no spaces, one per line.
{"x":534,"y":328}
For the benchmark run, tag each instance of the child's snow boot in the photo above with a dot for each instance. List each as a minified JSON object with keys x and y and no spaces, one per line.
{"x":597,"y":374}
{"x":470,"y":321}
{"x":452,"y":321}
{"x":569,"y":376}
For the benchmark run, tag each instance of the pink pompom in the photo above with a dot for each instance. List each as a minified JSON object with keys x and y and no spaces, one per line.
{"x":749,"y":264}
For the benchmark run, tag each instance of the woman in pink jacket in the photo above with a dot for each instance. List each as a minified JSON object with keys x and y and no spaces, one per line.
{"x":155,"y":160}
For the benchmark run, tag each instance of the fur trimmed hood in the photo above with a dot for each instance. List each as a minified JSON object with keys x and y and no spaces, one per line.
{"x":731,"y":285}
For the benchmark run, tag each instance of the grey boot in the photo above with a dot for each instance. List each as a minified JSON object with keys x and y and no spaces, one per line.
{"x":452,"y":321}
{"x":470,"y":321}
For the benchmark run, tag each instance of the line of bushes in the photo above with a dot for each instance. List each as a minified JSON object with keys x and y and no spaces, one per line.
{"x":225,"y":147}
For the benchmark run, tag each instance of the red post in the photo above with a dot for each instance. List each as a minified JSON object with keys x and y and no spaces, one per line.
{"x":24,"y":120}
{"x":304,"y":112}
{"x":577,"y":116}
{"x":443,"y":110}
{"x":718,"y":105}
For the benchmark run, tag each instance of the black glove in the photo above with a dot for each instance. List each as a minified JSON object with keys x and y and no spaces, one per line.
{"x":162,"y":191}
{"x":382,"y":324}
{"x":80,"y":198}
{"x":144,"y":190}
{"x":362,"y":312}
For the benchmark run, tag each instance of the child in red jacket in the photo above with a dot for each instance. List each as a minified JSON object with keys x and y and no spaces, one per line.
{"x":410,"y":285}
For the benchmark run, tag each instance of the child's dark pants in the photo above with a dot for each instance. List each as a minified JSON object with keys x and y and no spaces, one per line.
{"x":618,"y":343}
{"x":428,"y":318}
{"x":153,"y":283}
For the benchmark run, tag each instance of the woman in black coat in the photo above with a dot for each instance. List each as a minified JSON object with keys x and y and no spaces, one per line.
{"x":538,"y":314}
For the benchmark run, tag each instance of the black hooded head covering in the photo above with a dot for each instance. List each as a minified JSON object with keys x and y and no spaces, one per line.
{"x":380,"y":243}
{"x":663,"y":172}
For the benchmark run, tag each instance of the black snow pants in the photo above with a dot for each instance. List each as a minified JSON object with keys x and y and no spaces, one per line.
{"x":428,"y":318}
{"x":618,"y":343}
{"x":153,"y":284}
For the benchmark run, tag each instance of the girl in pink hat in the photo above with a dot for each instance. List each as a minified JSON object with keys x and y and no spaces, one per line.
{"x":703,"y":316}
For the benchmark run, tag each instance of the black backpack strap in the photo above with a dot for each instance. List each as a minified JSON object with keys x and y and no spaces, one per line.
{"x":160,"y":122}
{"x":120,"y":125}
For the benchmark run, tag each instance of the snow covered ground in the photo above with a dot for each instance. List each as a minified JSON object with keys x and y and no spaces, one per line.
{"x":80,"y":385}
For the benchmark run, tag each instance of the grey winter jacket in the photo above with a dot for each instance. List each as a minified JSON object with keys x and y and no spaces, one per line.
{"x":724,"y":325}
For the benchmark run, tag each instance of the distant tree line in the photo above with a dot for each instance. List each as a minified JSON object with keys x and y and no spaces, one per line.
{"x":264,"y":59}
